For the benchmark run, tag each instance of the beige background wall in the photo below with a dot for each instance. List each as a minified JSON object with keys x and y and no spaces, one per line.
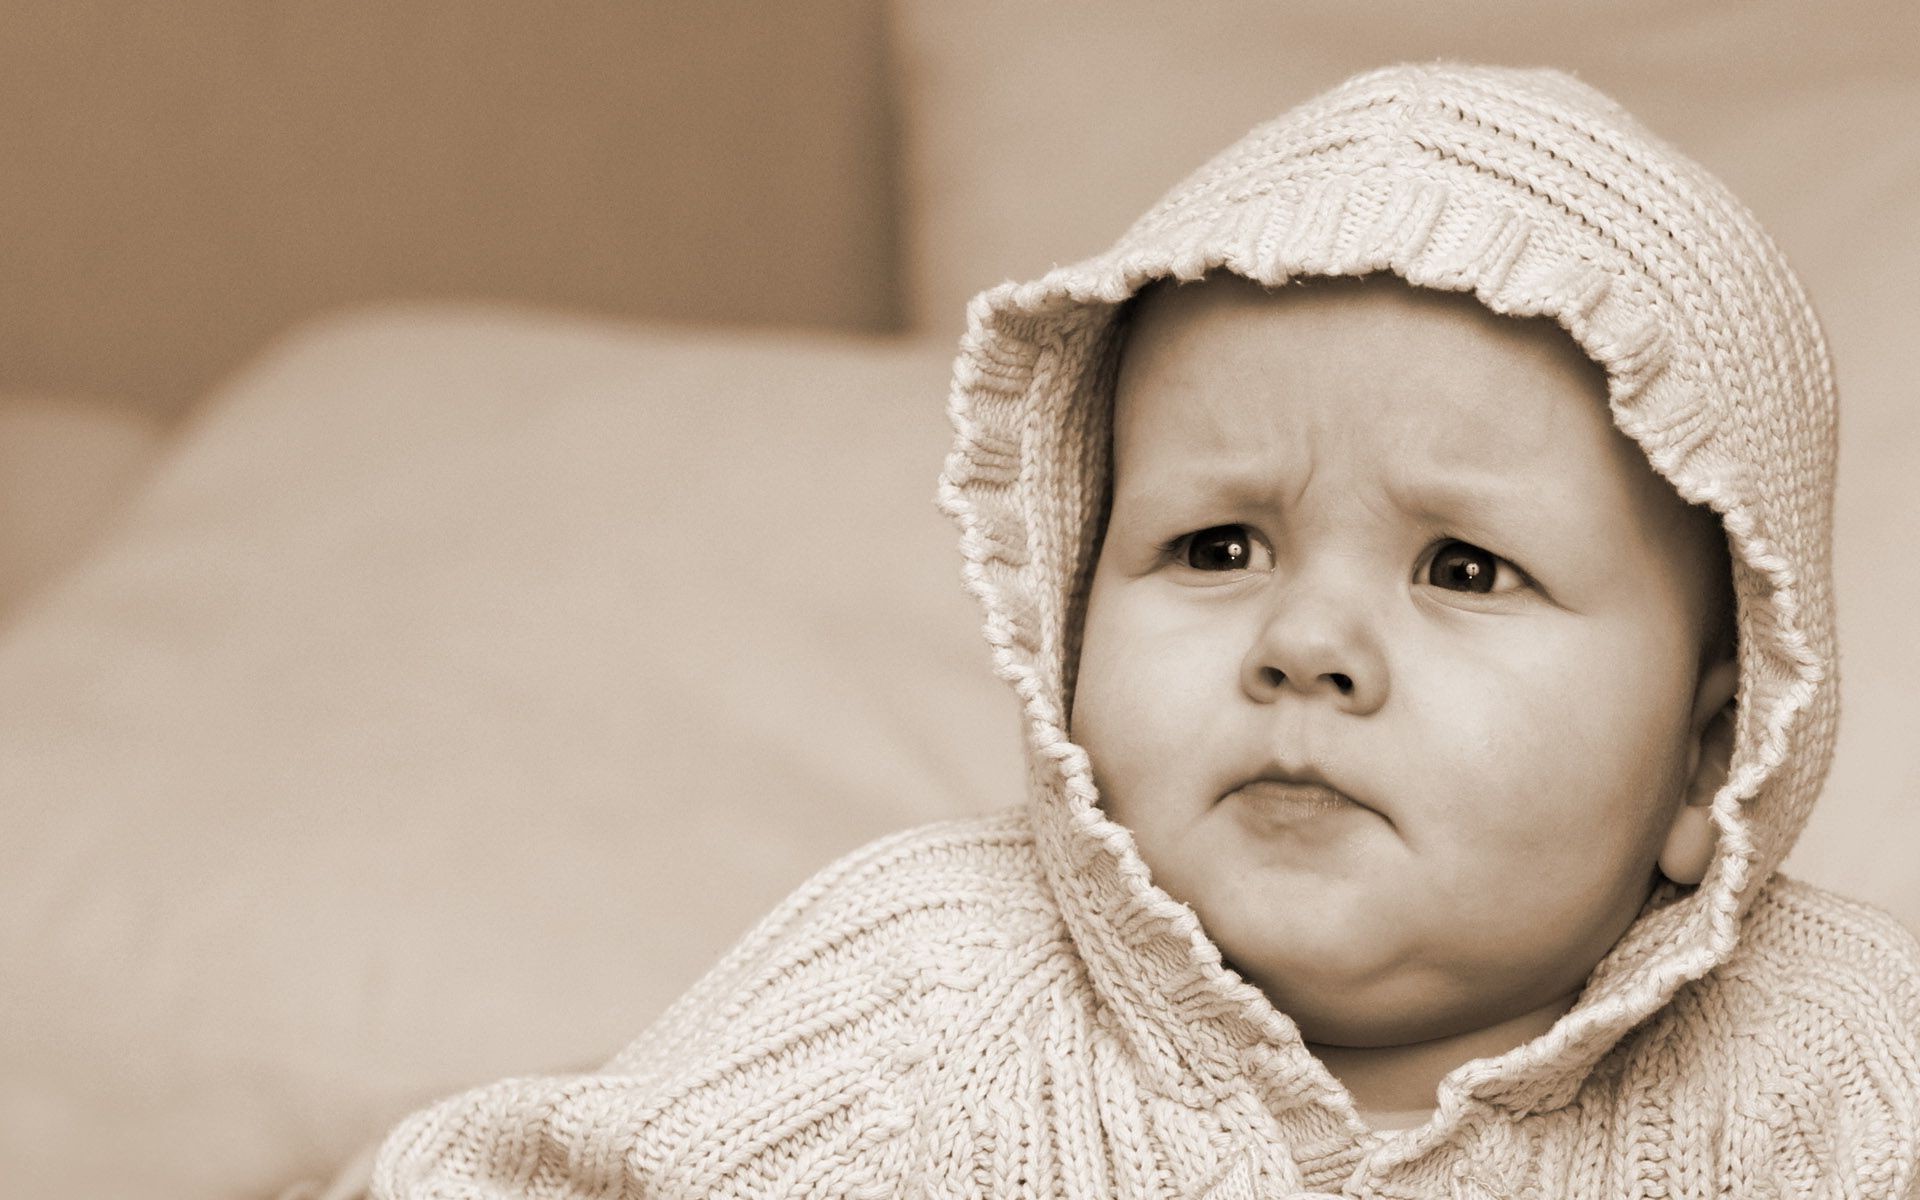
{"x":183,"y":180}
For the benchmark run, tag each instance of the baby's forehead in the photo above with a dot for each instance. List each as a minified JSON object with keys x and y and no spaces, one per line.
{"x":1429,"y":372}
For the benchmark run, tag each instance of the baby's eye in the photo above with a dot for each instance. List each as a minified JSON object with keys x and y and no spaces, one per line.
{"x":1463,"y":567}
{"x":1219,"y":548}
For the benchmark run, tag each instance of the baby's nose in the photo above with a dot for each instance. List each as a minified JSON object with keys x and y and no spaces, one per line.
{"x":1316,"y":646}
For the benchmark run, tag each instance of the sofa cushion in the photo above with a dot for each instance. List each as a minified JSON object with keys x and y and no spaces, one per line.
{"x":464,"y":682}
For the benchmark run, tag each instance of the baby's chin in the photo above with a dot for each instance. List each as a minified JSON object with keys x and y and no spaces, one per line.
{"x":1471,"y":1028}
{"x":1297,"y":920}
{"x":1346,"y":984}
{"x":1339,"y":1001}
{"x":1338,"y":1009}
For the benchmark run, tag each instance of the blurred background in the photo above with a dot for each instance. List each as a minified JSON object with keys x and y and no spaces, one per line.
{"x":187,"y":180}
{"x":466,"y":540}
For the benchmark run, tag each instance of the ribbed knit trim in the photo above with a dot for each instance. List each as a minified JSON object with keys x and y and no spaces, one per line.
{"x":1538,"y":197}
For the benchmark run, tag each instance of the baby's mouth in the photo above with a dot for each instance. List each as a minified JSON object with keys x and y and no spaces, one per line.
{"x":1287,"y":803}
{"x":1287,"y":796}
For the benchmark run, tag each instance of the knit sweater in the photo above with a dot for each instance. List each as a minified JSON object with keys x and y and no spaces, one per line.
{"x":1010,"y":1006}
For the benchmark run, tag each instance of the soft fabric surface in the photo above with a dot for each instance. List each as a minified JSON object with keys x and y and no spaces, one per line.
{"x":65,"y":466}
{"x":465,"y":682}
{"x":1036,"y":133}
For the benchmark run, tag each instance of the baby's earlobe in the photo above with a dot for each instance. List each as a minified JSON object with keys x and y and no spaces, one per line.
{"x":1689,"y":848}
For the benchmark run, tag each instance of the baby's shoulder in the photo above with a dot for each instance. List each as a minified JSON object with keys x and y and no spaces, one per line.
{"x":1818,"y":983}
{"x":964,"y":871}
{"x":1806,"y":1041}
{"x":1807,"y":949}
{"x":1798,"y":1058}
{"x":784,"y":1070}
{"x":879,"y":927}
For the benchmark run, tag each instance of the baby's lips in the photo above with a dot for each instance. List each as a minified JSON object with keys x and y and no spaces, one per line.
{"x":1306,"y":779}
{"x":1290,"y":802}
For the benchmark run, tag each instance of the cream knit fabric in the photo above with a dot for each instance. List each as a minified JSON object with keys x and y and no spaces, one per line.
{"x":1010,"y":1007}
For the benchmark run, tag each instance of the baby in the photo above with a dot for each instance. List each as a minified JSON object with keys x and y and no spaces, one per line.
{"x":1409,"y":547}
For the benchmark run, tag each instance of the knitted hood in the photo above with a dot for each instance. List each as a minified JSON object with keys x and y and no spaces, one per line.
{"x":1538,"y":196}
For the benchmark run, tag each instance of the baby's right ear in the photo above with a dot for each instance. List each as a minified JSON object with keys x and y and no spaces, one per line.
{"x":1690,"y":840}
{"x":1710,"y":755}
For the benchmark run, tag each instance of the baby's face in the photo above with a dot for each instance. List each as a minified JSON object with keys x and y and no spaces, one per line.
{"x":1393,"y":652}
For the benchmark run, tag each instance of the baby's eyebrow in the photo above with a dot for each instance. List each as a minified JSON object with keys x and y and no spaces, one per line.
{"x":1180,"y":489}
{"x":1485,"y":499}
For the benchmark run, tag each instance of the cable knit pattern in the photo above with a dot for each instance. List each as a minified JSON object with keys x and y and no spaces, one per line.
{"x":1011,"y":1007}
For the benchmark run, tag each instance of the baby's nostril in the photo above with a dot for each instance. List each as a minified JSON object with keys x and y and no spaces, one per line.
{"x":1343,"y":682}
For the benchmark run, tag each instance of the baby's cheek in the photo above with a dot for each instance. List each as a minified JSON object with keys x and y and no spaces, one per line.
{"x":1518,"y":766}
{"x":1126,"y":744}
{"x":1576,"y":821}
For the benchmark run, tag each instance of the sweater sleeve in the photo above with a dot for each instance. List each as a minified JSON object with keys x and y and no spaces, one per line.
{"x":776,"y":1074}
